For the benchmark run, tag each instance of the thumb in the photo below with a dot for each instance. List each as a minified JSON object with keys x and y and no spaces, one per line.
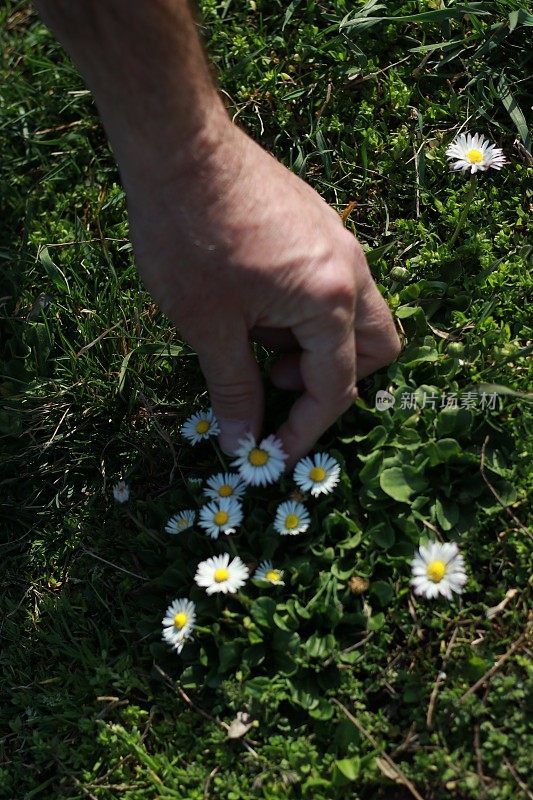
{"x":234,"y":384}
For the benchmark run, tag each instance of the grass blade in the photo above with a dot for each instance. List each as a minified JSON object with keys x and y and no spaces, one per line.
{"x":514,"y":111}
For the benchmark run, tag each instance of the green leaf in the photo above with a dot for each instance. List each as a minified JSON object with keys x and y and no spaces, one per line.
{"x":401,"y":483}
{"x":370,"y":471}
{"x":323,"y":710}
{"x":514,"y":111}
{"x":430,"y":48}
{"x":336,"y":519}
{"x":374,"y":438}
{"x":454,"y":420}
{"x":407,"y":439}
{"x":291,"y":8}
{"x":407,"y":311}
{"x":343,"y":568}
{"x":497,"y":388}
{"x":55,"y":274}
{"x":349,"y":767}
{"x":262,"y":610}
{"x":520,"y":17}
{"x":257,"y":687}
{"x":377,"y":253}
{"x":345,"y":735}
{"x":320,"y":646}
{"x":325,"y":154}
{"x":362,"y":19}
{"x":352,"y":542}
{"x":382,"y":534}
{"x":283,"y":622}
{"x":376,"y":622}
{"x":383,"y":591}
{"x":443,"y":450}
{"x":254,"y":655}
{"x":418,"y":355}
{"x":146,"y":349}
{"x":229,"y":656}
{"x":446,"y":514}
{"x":304,"y":694}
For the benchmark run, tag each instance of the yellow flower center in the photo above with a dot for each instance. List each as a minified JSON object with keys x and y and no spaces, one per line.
{"x":220,"y":518}
{"x":258,"y":457}
{"x":183,"y":521}
{"x":225,"y":490}
{"x":221,"y":575}
{"x":317,"y":474}
{"x":202,"y":426}
{"x":291,"y":521}
{"x":436,"y":570}
{"x":180,"y":620}
{"x":273,"y":575}
{"x":475,"y":156}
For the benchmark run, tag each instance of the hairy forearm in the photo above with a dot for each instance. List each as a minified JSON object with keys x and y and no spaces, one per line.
{"x":145,"y":66}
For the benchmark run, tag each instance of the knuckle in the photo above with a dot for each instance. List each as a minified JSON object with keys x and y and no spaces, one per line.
{"x":341,"y":392}
{"x":232,"y":396}
{"x":345,"y":398}
{"x":339,"y":289}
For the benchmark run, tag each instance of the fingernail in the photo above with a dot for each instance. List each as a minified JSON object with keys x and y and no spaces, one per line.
{"x":231,"y":432}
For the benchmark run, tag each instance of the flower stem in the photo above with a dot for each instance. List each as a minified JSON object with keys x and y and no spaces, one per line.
{"x":231,"y":545}
{"x":464,"y":212}
{"x":220,"y":455}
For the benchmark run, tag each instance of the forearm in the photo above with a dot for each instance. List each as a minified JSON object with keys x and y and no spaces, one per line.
{"x":145,"y":66}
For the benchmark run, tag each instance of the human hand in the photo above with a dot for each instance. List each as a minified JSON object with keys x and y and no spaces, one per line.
{"x":232,"y":245}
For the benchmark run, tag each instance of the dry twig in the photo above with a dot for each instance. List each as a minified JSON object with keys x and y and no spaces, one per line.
{"x":441,"y":677}
{"x":525,"y":788}
{"x":164,"y":435}
{"x":499,"y":663}
{"x":495,"y":493}
{"x":208,"y":781}
{"x":479,"y":761}
{"x":168,"y":680}
{"x":110,"y":564}
{"x":393,"y":767}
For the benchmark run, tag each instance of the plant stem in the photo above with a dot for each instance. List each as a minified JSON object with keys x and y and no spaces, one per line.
{"x":231,"y":545}
{"x":464,"y":212}
{"x":220,"y":455}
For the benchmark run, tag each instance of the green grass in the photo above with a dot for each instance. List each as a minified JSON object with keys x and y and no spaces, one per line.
{"x":94,"y":383}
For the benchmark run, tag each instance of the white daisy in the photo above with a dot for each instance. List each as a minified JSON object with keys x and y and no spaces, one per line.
{"x":220,"y":516}
{"x":438,"y":569}
{"x":227,"y":484}
{"x":121,"y":492}
{"x":291,"y":518}
{"x":266,"y":572}
{"x":218,"y":574}
{"x":318,"y":475}
{"x":200,"y":426}
{"x":178,"y":622}
{"x":260,"y":464}
{"x":181,"y":521}
{"x":474,"y":152}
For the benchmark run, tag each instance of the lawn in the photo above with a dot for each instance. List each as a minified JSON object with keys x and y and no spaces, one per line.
{"x":355,"y":687}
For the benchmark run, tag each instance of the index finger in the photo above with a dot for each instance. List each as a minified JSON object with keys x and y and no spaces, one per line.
{"x":328,"y":370}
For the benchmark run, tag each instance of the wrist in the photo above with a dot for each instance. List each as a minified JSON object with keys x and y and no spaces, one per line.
{"x":170,"y":148}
